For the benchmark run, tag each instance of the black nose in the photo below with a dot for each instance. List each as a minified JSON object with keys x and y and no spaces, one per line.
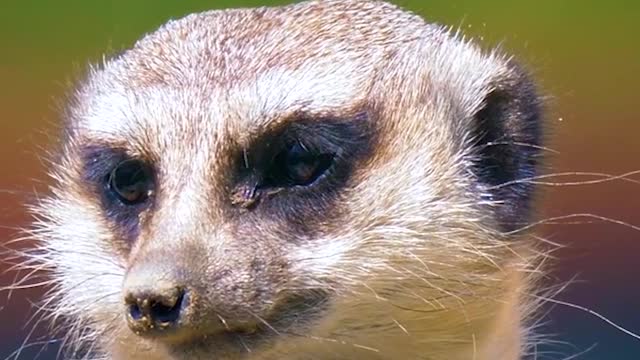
{"x":157,"y":310}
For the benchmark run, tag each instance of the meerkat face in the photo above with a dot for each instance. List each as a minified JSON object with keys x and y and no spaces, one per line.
{"x":323,"y":180}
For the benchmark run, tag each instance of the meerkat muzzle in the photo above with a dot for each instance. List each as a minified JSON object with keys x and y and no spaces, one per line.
{"x":156,"y":301}
{"x":154,"y":310}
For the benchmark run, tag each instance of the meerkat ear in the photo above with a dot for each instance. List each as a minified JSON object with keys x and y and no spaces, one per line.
{"x":508,"y":129}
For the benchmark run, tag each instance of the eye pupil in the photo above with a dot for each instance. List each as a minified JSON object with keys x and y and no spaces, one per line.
{"x":131,"y":182}
{"x":299,"y":166}
{"x":303,"y":170}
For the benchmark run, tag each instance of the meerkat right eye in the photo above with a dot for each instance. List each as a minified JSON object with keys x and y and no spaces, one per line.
{"x":131,"y":182}
{"x":304,"y":161}
{"x":298,"y":165}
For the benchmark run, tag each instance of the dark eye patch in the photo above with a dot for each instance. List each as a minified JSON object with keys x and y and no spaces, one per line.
{"x":301,"y":167}
{"x":122,"y":184}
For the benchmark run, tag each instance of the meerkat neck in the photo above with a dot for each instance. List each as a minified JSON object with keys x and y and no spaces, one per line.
{"x":505,"y":341}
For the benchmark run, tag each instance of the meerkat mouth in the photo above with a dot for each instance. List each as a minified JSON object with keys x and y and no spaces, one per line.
{"x":289,"y":318}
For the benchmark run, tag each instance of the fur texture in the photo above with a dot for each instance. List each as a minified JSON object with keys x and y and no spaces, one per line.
{"x":404,"y":249}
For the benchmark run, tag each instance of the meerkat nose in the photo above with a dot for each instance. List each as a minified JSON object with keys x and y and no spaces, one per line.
{"x":150,"y":310}
{"x":155,"y":308}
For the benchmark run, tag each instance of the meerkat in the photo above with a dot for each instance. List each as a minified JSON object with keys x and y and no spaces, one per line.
{"x":324,"y":180}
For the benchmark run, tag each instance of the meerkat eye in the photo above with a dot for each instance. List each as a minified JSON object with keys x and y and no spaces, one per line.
{"x":297,"y":166}
{"x":131,"y":181}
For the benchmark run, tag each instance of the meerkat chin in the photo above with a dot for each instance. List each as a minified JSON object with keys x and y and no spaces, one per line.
{"x":325,"y":180}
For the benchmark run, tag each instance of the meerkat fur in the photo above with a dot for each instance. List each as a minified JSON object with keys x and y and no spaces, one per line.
{"x":407,"y":248}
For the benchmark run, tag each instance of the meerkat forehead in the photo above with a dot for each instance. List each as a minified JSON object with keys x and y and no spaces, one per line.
{"x":239,"y":70}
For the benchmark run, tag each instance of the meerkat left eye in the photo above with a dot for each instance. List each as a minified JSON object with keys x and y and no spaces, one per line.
{"x":298,"y":165}
{"x":131,"y":181}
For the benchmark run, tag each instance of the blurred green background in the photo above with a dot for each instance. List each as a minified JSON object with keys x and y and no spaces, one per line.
{"x":585,"y":54}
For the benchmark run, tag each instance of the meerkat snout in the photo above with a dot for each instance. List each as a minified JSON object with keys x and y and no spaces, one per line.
{"x":155,"y":309}
{"x":153,"y":305}
{"x":325,"y":180}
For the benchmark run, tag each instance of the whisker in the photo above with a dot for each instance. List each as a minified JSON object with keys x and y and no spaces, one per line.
{"x":552,"y":220}
{"x":264,"y":322}
{"x":244,"y":344}
{"x":16,"y":353}
{"x":605,"y":178}
{"x":522,"y":144}
{"x":404,"y":329}
{"x":594,"y":313}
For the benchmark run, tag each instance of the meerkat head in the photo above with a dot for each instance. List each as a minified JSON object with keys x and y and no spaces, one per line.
{"x":331,"y":179}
